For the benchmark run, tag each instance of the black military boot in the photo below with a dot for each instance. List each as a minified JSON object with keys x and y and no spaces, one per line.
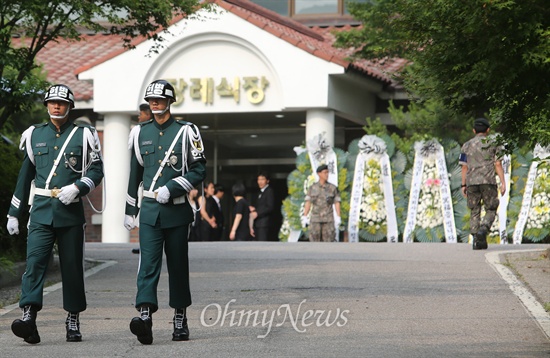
{"x":475,"y":245}
{"x":142,"y":326}
{"x":26,"y":326}
{"x":480,"y":239}
{"x":72,"y":323}
{"x":181,"y":331}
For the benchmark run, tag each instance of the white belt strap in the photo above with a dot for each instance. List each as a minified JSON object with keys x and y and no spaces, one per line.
{"x":149,"y":194}
{"x":56,"y":162}
{"x":165,"y":160}
{"x":153,"y":195}
{"x":52,"y":193}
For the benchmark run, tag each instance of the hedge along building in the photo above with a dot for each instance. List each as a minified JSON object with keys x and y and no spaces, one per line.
{"x":256,"y":83}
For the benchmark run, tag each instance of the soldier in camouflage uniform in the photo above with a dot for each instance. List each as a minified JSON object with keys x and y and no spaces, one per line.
{"x":320,"y":198}
{"x":62,"y":164}
{"x":167,"y":163}
{"x":480,"y":159}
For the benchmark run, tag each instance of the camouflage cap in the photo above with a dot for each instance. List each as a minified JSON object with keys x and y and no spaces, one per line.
{"x":481,"y":122}
{"x":322,"y":167}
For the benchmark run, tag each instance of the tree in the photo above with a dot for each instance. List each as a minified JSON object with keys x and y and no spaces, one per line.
{"x":431,"y":120}
{"x":475,"y":56}
{"x":40,"y":21}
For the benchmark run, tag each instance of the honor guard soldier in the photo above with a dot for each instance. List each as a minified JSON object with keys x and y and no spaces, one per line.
{"x":62,"y":163}
{"x":167,"y":162}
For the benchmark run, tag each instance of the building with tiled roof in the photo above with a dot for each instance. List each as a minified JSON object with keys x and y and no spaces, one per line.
{"x":63,"y":60}
{"x":256,"y":82}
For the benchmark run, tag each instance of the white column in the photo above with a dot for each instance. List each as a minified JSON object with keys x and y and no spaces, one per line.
{"x":318,"y":121}
{"x":116,"y":158}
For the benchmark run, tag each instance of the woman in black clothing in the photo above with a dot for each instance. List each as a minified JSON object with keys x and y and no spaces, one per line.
{"x":241,"y":230}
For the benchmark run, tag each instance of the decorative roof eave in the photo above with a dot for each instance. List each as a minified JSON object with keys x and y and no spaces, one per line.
{"x":236,"y":7}
{"x":353,"y":67}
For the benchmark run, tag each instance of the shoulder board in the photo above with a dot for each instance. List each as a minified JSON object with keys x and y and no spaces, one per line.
{"x":84,"y":125}
{"x":146,"y":122}
{"x":182,"y":122}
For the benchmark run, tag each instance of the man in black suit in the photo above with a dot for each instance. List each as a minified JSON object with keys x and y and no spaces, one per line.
{"x":213,"y":227}
{"x":264,"y":209}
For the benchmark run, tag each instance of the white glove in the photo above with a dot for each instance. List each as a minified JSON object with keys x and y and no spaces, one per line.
{"x":129,"y":222}
{"x":305,"y":221}
{"x":163,"y":194}
{"x":13,"y":225}
{"x":337,"y":222}
{"x":68,"y":193}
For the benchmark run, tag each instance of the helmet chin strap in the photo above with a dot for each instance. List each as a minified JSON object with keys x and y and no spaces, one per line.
{"x":59,"y":117}
{"x":161,"y":112}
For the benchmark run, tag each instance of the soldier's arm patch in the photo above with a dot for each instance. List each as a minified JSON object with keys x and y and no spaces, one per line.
{"x":196,"y":146}
{"x":463,"y":159}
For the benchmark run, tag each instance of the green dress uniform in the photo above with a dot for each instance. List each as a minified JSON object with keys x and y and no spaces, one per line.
{"x":164,"y":225}
{"x":50,"y":219}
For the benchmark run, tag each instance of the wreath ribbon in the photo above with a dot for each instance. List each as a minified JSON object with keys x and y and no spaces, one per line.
{"x":504,"y":200}
{"x":541,"y":153}
{"x":357,"y":195}
{"x":424,"y":150}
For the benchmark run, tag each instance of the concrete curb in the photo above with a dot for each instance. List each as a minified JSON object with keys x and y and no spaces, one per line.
{"x":533,"y":306}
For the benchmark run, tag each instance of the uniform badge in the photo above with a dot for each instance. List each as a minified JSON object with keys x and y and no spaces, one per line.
{"x":198,"y":144}
{"x":72,"y":161}
{"x":94,"y":156}
{"x":173,"y":160}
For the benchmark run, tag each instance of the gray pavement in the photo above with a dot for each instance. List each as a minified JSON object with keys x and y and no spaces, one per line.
{"x":307,"y":300}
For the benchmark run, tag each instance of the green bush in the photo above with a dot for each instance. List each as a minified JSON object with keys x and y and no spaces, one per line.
{"x":12,"y":248}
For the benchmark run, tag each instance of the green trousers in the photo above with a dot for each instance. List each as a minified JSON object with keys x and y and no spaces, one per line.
{"x":152,"y":240}
{"x":40,"y":243}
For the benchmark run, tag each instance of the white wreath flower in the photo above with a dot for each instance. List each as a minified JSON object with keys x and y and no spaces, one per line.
{"x":539,"y":213}
{"x":308,"y":182}
{"x":429,"y":214}
{"x":372,"y":212}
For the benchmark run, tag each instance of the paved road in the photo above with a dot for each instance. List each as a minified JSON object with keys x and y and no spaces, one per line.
{"x":306,"y":300}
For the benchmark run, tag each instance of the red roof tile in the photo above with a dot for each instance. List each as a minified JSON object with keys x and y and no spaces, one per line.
{"x":63,"y":60}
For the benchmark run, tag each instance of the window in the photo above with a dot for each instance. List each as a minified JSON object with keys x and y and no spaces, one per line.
{"x":279,"y":6}
{"x":307,"y":8}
